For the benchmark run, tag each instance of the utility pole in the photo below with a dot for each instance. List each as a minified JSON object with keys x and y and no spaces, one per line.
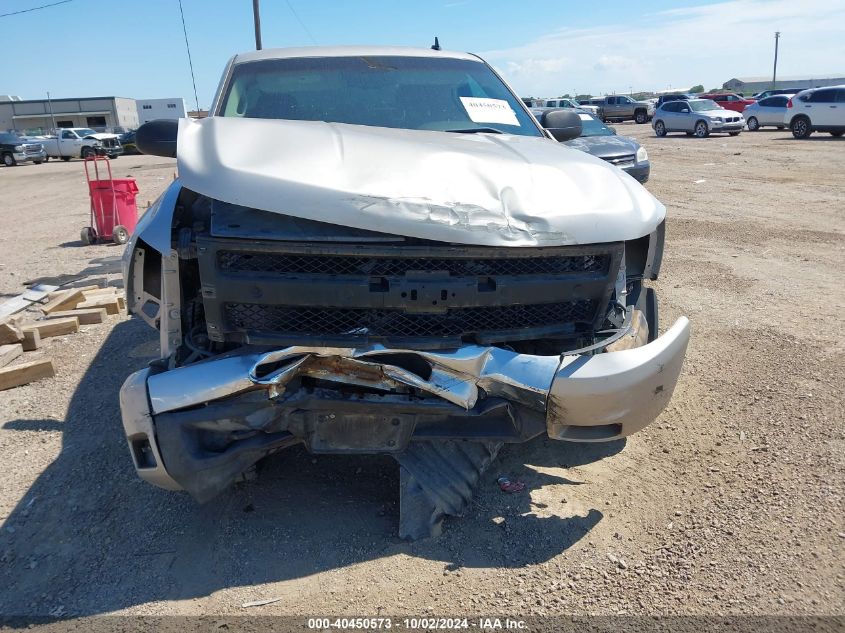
{"x":775,"y":71}
{"x":257,"y":17}
{"x":52,"y":117}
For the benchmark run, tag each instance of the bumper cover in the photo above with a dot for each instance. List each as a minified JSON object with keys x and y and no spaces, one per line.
{"x":467,"y":392}
{"x":21,"y":157}
{"x":640,"y":170}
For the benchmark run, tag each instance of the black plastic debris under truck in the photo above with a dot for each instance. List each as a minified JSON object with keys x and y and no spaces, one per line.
{"x":380,"y":250}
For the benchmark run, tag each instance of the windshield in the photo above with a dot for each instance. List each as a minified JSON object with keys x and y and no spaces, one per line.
{"x":10,"y":139}
{"x":701,"y":105}
{"x":85,"y":131}
{"x":590,"y":126}
{"x":415,"y":93}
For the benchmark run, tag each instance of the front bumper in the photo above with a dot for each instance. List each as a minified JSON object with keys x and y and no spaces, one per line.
{"x":640,"y":170}
{"x":735,"y":126}
{"x":30,"y":157}
{"x":198,"y":427}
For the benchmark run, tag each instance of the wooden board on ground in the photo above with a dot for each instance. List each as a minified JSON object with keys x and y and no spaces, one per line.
{"x":67,"y":300}
{"x":17,"y":375}
{"x":31,"y":340}
{"x":109,"y":302}
{"x":54,"y":327}
{"x":103,"y":292}
{"x":55,"y":294}
{"x":9,"y":332}
{"x":86,"y":316}
{"x":8,"y":353}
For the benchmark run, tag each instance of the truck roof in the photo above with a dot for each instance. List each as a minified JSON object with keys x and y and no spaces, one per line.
{"x":349,"y":51}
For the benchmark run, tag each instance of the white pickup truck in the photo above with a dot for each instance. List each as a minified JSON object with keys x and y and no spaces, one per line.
{"x":81,"y":142}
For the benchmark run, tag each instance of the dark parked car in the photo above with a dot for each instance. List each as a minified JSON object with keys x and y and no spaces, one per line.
{"x":674,"y":97}
{"x":128,"y":142}
{"x":601,"y":141}
{"x":14,"y":150}
{"x":784,"y":91}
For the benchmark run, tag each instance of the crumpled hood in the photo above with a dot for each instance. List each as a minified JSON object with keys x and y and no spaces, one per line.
{"x":101,"y":136}
{"x":480,"y":189}
{"x":605,"y":146}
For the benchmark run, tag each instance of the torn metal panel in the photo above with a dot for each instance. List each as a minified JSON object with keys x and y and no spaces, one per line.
{"x":587,"y":398}
{"x":475,"y":189}
{"x":454,"y":376}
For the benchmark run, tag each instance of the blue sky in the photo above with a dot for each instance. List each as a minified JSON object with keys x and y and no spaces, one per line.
{"x":137,"y":49}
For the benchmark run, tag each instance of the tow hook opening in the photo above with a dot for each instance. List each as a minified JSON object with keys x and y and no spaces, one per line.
{"x":143,"y":452}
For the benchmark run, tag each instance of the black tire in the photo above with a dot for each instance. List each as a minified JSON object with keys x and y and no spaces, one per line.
{"x":88,"y":152}
{"x":88,"y":235}
{"x":46,"y":159}
{"x":800,"y":127}
{"x":753,"y":124}
{"x":9,"y":160}
{"x":640,"y":116}
{"x":120,"y":235}
{"x":66,"y":158}
{"x":660,"y":128}
{"x":38,"y":162}
{"x":734,"y":133}
{"x":781,"y":127}
{"x":701,"y":130}
{"x":837,"y":134}
{"x":688,"y":133}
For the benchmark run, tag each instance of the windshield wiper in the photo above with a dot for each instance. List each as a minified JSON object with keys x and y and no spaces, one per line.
{"x":476,"y":130}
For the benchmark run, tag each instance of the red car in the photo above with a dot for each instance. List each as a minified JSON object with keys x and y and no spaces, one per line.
{"x":729,"y":101}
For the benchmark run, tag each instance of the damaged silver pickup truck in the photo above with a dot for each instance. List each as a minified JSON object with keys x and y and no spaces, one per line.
{"x":380,"y":250}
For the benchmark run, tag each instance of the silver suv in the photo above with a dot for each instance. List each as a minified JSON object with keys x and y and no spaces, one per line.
{"x":698,"y":117}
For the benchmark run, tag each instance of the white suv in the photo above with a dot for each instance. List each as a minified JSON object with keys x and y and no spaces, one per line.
{"x":817,"y":110}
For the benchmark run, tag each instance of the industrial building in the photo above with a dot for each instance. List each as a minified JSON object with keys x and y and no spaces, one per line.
{"x":38,"y":116}
{"x":753,"y":85}
{"x":152,"y":109}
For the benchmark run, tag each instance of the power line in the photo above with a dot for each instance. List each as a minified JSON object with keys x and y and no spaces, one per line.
{"x":43,"y":6}
{"x":301,"y":23}
{"x":190,"y":62}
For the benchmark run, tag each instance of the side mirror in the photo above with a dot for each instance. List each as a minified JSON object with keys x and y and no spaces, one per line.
{"x":158,"y":137}
{"x":685,"y":110}
{"x":563,"y":125}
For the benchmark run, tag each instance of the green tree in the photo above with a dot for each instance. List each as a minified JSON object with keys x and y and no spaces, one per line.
{"x":697,"y":89}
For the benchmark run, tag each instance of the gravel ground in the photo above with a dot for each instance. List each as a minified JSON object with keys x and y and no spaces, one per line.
{"x":731,"y":503}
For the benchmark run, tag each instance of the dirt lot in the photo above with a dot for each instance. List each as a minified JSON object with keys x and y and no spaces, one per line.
{"x":731,"y":503}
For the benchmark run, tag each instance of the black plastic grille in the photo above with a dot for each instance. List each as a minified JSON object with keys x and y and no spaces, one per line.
{"x":566,"y":318}
{"x":284,"y":263}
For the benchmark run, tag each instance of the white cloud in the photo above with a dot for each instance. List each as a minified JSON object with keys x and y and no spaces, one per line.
{"x":678,"y":48}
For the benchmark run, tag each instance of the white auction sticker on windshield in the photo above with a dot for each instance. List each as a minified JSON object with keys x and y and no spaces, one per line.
{"x":483,"y":110}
